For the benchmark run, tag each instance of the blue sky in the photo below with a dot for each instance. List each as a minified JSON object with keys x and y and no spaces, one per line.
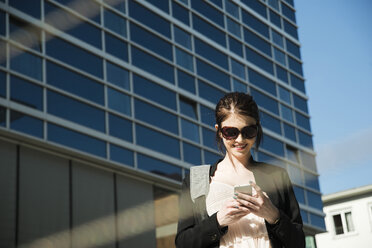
{"x":336,"y":40}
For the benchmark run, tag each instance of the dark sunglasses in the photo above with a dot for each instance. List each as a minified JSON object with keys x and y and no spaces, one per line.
{"x":248,"y":132}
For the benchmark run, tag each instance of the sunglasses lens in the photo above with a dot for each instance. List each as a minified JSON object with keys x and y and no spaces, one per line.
{"x":250,"y":132}
{"x":230,"y":132}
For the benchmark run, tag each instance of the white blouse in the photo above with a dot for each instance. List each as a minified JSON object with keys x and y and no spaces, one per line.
{"x":249,"y":232}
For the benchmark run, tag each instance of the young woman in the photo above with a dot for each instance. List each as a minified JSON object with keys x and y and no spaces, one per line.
{"x":212,"y":214}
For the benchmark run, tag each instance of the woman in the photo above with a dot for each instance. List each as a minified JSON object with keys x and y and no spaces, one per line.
{"x":213,"y":215}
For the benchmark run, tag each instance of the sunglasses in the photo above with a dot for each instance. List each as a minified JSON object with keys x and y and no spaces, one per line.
{"x":248,"y":132}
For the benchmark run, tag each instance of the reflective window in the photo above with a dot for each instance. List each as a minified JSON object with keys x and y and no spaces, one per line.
{"x":265,"y":101}
{"x":2,"y":116}
{"x":277,"y":38}
{"x":26,"y":63}
{"x":232,"y":8}
{"x":211,"y":73}
{"x":293,"y":48}
{"x":75,"y":27}
{"x":74,"y":83}
{"x":311,"y":181}
{"x":117,"y":75}
{"x":157,"y":141}
{"x":303,"y":121}
{"x":289,"y":13}
{"x":261,"y":82}
{"x":184,"y":59}
{"x":210,"y":157}
{"x":292,"y":154}
{"x":287,"y":113}
{"x":304,"y":216}
{"x":161,"y":4}
{"x":235,"y":46}
{"x":290,"y":132}
{"x":121,"y":155}
{"x":300,"y":103}
{"x":209,"y":12}
{"x":180,"y":13}
{"x":76,"y":140}
{"x":190,"y":130}
{"x":270,"y":123}
{"x":26,"y":124}
{"x":155,"y":116}
{"x":186,"y":81}
{"x":74,"y":56}
{"x":275,"y":19}
{"x":93,"y":7}
{"x":314,"y":200}
{"x":208,"y":30}
{"x":210,"y":53}
{"x":149,"y":18}
{"x":116,"y":47}
{"x":153,"y":65}
{"x":274,"y":4}
{"x":257,"y":42}
{"x":295,"y":65}
{"x":295,"y":174}
{"x":317,"y":220}
{"x":273,"y":145}
{"x":209,"y":138}
{"x":279,"y":56}
{"x":73,"y":110}
{"x":305,"y":139}
{"x":207,"y":115}
{"x":290,"y":29}
{"x":299,"y":193}
{"x":182,"y":38}
{"x":116,"y":5}
{"x":24,"y":33}
{"x":2,"y":51}
{"x":263,"y":157}
{"x":284,"y":95}
{"x":159,"y":167}
{"x":281,"y":73}
{"x":233,"y":27}
{"x":191,"y":154}
{"x":120,"y":128}
{"x":290,"y":2}
{"x":2,"y":84}
{"x":256,"y":24}
{"x":154,"y":92}
{"x":188,"y":107}
{"x":298,"y":83}
{"x":30,"y":7}
{"x":115,"y":23}
{"x":239,"y":86}
{"x":151,"y":41}
{"x":308,"y":160}
{"x":26,"y":93}
{"x":218,"y":3}
{"x":258,"y":60}
{"x":257,"y":6}
{"x":238,"y":69}
{"x":118,"y":101}
{"x":209,"y":93}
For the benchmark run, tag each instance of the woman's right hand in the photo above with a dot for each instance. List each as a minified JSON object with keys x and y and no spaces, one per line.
{"x":231,"y":212}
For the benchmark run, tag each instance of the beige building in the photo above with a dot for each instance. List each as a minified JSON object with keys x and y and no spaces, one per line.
{"x":348,"y":219}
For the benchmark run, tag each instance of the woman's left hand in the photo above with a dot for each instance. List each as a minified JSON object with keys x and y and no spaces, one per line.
{"x":259,"y":204}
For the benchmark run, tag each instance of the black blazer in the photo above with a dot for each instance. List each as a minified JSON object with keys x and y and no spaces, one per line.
{"x":197,"y":229}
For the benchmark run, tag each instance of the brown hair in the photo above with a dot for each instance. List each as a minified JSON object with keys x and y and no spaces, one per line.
{"x":242,"y":104}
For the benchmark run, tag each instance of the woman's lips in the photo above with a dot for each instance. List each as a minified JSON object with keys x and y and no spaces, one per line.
{"x":240,"y":147}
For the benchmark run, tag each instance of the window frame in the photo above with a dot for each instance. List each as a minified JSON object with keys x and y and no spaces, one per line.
{"x":343,"y":213}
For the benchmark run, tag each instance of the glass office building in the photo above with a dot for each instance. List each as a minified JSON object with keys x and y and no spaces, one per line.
{"x":105,"y":105}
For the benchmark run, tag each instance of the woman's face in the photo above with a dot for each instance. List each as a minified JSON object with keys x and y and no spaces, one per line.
{"x":239,"y":147}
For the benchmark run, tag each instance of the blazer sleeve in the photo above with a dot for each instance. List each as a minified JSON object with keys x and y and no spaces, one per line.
{"x":289,"y":228}
{"x":206,"y":233}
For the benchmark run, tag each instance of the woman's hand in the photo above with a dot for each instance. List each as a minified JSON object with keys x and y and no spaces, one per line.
{"x":231,"y":212}
{"x":259,"y":204}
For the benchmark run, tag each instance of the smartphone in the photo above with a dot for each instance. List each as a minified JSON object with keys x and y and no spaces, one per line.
{"x":246,"y":189}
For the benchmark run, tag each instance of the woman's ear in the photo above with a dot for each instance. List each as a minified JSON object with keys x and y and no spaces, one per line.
{"x":216,"y":127}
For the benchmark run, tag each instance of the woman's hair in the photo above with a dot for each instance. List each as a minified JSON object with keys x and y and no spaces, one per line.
{"x":237,"y":103}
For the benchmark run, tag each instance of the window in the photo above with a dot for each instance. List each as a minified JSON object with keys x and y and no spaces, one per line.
{"x":256,"y":24}
{"x":182,"y":38}
{"x":275,"y":19}
{"x":213,"y":74}
{"x":93,"y":13}
{"x":265,"y":101}
{"x":259,"y":60}
{"x":209,"y":30}
{"x":343,"y":222}
{"x":188,"y":107}
{"x":191,"y":154}
{"x":2,"y":116}
{"x":256,"y":6}
{"x":308,"y":161}
{"x":235,"y":46}
{"x":287,"y":113}
{"x":257,"y":42}
{"x":116,"y":5}
{"x":274,"y":4}
{"x":295,"y":174}
{"x":117,"y":75}
{"x":288,"y":12}
{"x":290,"y":29}
{"x":159,"y":167}
{"x":209,"y":93}
{"x":180,"y":13}
{"x":293,"y":48}
{"x":115,"y":23}
{"x":311,"y":180}
{"x":270,"y":123}
{"x":25,"y":124}
{"x":279,"y":56}
{"x":273,"y":145}
{"x":209,"y":138}
{"x":29,"y":7}
{"x":190,"y":130}
{"x":75,"y":83}
{"x":207,"y":115}
{"x":161,"y":4}
{"x":121,"y":155}
{"x":297,"y":83}
{"x":295,"y":65}
{"x":305,"y":139}
{"x":206,"y":10}
{"x":314,"y":200}
{"x":120,"y":128}
{"x":303,"y":121}
{"x":300,"y":194}
{"x":300,"y":103}
{"x":284,"y":95}
{"x":116,"y":47}
{"x":232,"y":9}
{"x":211,"y":53}
{"x":2,"y":84}
{"x":31,"y":35}
{"x":290,"y":132}
{"x":26,"y":63}
{"x":292,"y":154}
{"x":184,"y":60}
{"x":262,"y":82}
{"x":154,"y":92}
{"x":238,"y":69}
{"x":277,"y":38}
{"x":211,"y":157}
{"x":26,"y":93}
{"x":317,"y":220}
{"x":118,"y":101}
{"x":186,"y":81}
{"x":239,"y":86}
{"x":233,"y":27}
{"x":281,"y":73}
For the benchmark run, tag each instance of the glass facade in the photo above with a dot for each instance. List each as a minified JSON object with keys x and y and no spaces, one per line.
{"x":122,"y":79}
